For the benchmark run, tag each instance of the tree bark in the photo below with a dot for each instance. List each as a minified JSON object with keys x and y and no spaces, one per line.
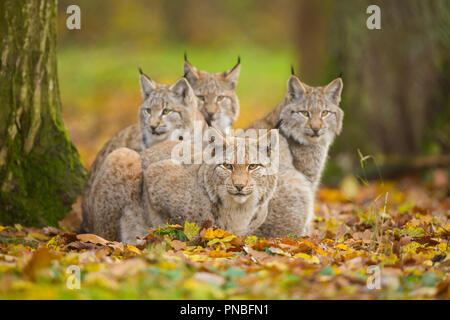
{"x":41,"y":174}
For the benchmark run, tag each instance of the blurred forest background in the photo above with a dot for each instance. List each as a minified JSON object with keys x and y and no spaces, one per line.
{"x":396,"y":80}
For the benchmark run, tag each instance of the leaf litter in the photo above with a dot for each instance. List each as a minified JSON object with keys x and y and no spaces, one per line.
{"x":402,"y":227}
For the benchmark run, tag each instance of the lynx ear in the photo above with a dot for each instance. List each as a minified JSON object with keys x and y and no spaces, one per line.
{"x":183,"y":90}
{"x":296,"y":89}
{"x":232,"y":75}
{"x":147,"y":85}
{"x":333,"y":90}
{"x":190,"y":72}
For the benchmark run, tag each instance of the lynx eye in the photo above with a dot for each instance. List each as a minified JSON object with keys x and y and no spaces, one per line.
{"x":324,"y":113}
{"x":228,"y":166}
{"x":148,"y":110}
{"x":305,"y":113}
{"x":201,"y":98}
{"x":253,"y":166}
{"x":220,"y":98}
{"x":166,"y":112}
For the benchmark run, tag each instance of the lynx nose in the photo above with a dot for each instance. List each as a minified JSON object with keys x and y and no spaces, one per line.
{"x":239,"y":187}
{"x":315,"y":130}
{"x":153,"y":128}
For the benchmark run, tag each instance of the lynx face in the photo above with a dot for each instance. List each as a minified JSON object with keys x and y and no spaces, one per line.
{"x":312,"y":115}
{"x":241,"y":177}
{"x":216,"y":93}
{"x":166,"y":110}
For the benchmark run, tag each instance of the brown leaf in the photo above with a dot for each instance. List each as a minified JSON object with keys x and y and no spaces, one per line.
{"x":40,"y":260}
{"x":51,"y":231}
{"x":92,"y":238}
{"x":127,"y":268}
{"x":178,"y":245}
{"x":79,"y":245}
{"x":66,"y":238}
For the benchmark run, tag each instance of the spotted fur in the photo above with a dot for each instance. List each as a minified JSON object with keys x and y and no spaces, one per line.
{"x":233,"y":196}
{"x":309,"y":118}
{"x":166,"y":113}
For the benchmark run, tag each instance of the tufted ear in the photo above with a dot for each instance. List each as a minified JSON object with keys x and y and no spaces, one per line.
{"x":190,"y":72}
{"x":333,"y":90}
{"x":232,"y":75}
{"x":296,"y":89}
{"x":184,"y":91}
{"x":147,"y":85}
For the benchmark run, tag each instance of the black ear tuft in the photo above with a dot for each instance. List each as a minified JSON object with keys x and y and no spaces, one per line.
{"x":185,"y":56}
{"x":340,"y":74}
{"x":140,"y":70}
{"x":239,"y":59}
{"x":292,"y":70}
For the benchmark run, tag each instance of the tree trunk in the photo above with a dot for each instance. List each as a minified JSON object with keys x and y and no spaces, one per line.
{"x":40,"y":170}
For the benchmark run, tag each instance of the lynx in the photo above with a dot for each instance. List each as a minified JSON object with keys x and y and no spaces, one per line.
{"x":233,"y":195}
{"x":309,"y":118}
{"x":216,"y":93}
{"x":166,"y":113}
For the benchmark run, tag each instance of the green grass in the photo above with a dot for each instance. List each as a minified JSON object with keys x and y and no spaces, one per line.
{"x":89,"y":72}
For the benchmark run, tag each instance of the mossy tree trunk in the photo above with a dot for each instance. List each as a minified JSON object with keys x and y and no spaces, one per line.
{"x":40,"y":170}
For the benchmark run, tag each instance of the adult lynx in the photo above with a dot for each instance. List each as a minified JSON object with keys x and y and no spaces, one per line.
{"x":309,"y":118}
{"x":232,"y":194}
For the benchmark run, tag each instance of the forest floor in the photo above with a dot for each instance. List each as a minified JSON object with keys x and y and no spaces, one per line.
{"x":382,"y":240}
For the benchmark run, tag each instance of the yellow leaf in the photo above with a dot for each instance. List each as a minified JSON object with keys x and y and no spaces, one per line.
{"x":250,"y":240}
{"x":315,"y":248}
{"x":342,"y":247}
{"x":37,"y":236}
{"x":191,"y":230}
{"x":220,"y":254}
{"x":442,"y":246}
{"x":302,"y":255}
{"x":307,"y":257}
{"x":165,"y":265}
{"x":199,"y":257}
{"x":133,"y":249}
{"x":209,"y":234}
{"x":18,"y":227}
{"x":53,"y":242}
{"x":3,"y":228}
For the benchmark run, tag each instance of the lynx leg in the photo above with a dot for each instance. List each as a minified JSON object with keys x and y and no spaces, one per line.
{"x":117,"y":186}
{"x":291,"y":208}
{"x":132,"y":224}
